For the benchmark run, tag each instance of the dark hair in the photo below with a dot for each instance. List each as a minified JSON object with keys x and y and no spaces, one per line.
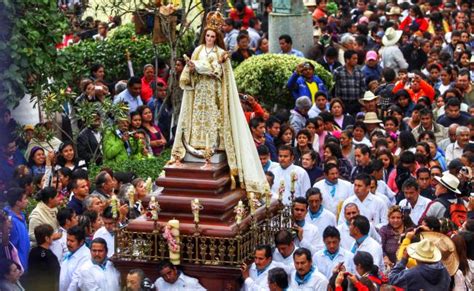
{"x":389,"y":74}
{"x":407,"y":157}
{"x":266,"y":248}
{"x":101,"y":179}
{"x":286,"y":148}
{"x":348,"y":54}
{"x":43,"y":231}
{"x":64,"y":214}
{"x":263,"y":150}
{"x":78,"y":232}
{"x":422,"y":170}
{"x":313,"y":191}
{"x":365,"y":178}
{"x":99,"y":240}
{"x":327,"y":167}
{"x":300,"y":200}
{"x":362,"y":223}
{"x":331,"y":52}
{"x":271,"y":120}
{"x":14,"y":194}
{"x":286,"y":37}
{"x":95,"y":67}
{"x":410,"y":183}
{"x":331,"y":231}
{"x":5,"y":265}
{"x":314,"y":156}
{"x":407,"y":140}
{"x":33,"y":151}
{"x":242,"y":36}
{"x":80,"y":173}
{"x":429,"y":133}
{"x":254,"y":122}
{"x":133,"y":80}
{"x":45,"y":194}
{"x":165,"y":264}
{"x":60,"y":159}
{"x":283,"y":237}
{"x":366,"y":262}
{"x":433,"y":223}
{"x":108,"y":213}
{"x":279,"y":277}
{"x":303,"y":251}
{"x":305,"y":132}
{"x":334,"y":149}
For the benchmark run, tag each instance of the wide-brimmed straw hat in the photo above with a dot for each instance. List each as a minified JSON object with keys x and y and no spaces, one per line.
{"x":424,"y":251}
{"x":395,"y":10}
{"x":449,"y":256}
{"x":450,"y":182}
{"x":371,"y":117}
{"x":368,"y":96}
{"x":391,"y":36}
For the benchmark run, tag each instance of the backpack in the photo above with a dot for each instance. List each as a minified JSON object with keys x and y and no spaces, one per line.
{"x":457,"y":212}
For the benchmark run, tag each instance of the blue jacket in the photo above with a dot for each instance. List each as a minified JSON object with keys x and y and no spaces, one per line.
{"x":6,"y":169}
{"x":433,"y":277}
{"x":19,"y":236}
{"x":298,"y":87}
{"x":372,"y":73}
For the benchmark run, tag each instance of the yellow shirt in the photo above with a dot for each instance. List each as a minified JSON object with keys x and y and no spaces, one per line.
{"x":313,"y":89}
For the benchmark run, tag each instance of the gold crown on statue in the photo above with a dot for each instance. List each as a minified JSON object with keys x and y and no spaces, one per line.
{"x":214,"y":20}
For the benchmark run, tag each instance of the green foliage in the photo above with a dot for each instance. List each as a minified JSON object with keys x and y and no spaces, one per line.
{"x":142,"y":168}
{"x":266,"y":76}
{"x":36,"y":27}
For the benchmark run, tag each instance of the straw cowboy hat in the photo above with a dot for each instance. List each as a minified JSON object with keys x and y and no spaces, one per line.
{"x":449,"y":256}
{"x":371,"y":117}
{"x":424,"y":251}
{"x":395,"y":10}
{"x":368,"y":96}
{"x":309,"y":3}
{"x":450,"y":182}
{"x":391,"y":36}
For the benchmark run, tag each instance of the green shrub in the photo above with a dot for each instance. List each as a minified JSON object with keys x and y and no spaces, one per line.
{"x":142,"y":168}
{"x":266,"y":76}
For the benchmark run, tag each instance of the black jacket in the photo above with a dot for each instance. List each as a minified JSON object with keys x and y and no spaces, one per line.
{"x":88,"y":146}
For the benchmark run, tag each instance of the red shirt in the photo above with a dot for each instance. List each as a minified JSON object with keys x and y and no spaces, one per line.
{"x":248,"y":14}
{"x":147,"y":91}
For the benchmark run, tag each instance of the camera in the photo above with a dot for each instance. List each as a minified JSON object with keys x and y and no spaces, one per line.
{"x":411,"y":75}
{"x":406,"y":210}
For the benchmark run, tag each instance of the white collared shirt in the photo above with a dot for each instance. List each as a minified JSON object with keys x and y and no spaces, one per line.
{"x":70,"y":268}
{"x":375,"y":249}
{"x":325,"y":265}
{"x":93,"y":277}
{"x":417,"y":210}
{"x":372,"y":207}
{"x":257,"y":282}
{"x":183,"y":283}
{"x":59,"y":246}
{"x":109,"y":238}
{"x":325,"y":219}
{"x":343,"y":191}
{"x":312,"y":238}
{"x":288,"y":261}
{"x":347,"y":241}
{"x":316,"y":282}
{"x":453,"y":151}
{"x":302,"y":183}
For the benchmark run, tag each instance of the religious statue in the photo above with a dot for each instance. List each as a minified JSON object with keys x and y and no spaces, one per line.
{"x":211,"y":114}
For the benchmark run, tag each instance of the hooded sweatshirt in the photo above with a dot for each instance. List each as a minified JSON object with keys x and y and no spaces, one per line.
{"x":433,"y":277}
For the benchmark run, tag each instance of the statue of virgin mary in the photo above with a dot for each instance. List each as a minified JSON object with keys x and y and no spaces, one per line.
{"x":211,"y":110}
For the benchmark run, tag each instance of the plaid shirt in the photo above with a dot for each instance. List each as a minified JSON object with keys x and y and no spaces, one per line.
{"x":349,"y":87}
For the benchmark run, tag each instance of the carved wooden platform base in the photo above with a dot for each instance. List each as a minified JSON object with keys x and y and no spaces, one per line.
{"x":211,"y":277}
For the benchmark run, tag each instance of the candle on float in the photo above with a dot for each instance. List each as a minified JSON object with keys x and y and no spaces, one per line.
{"x":207,"y":141}
{"x":267,"y":193}
{"x":281,"y":190}
{"x":154,"y":208}
{"x":239,"y":209}
{"x":293,"y":180}
{"x":195,"y":207}
{"x":114,"y":204}
{"x":131,"y":197}
{"x":252,"y":203}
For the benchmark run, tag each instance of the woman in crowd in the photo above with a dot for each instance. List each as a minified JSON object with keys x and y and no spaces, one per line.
{"x":95,"y":219}
{"x":263,"y":46}
{"x":423,"y":154}
{"x":386,"y":156}
{"x":446,"y":81}
{"x":333,"y":150}
{"x":10,"y":273}
{"x":336,"y":107}
{"x":67,"y":157}
{"x":45,"y":212}
{"x":309,"y":162}
{"x":311,"y":125}
{"x":302,"y":144}
{"x":157,"y":140}
{"x":391,"y":124}
{"x":347,"y":147}
{"x":286,"y":136}
{"x":359,"y":132}
{"x":463,"y":279}
{"x":436,"y":156}
{"x":364,"y":265}
{"x":37,"y":161}
{"x":406,"y":142}
{"x":463,"y":61}
{"x":392,"y":142}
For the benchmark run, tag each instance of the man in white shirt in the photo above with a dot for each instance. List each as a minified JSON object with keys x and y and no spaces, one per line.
{"x":414,"y":203}
{"x":107,"y":231}
{"x":369,"y":205}
{"x":350,"y":211}
{"x":67,"y":218}
{"x":455,"y":150}
{"x":333,"y":255}
{"x":317,"y":214}
{"x":285,"y":247}
{"x":78,"y":254}
{"x":254,"y":27}
{"x":284,"y":174}
{"x":305,"y":276}
{"x":256,"y":277}
{"x":359,"y":229}
{"x":307,"y":235}
{"x":173,"y":280}
{"x":334,"y":190}
{"x":99,"y":273}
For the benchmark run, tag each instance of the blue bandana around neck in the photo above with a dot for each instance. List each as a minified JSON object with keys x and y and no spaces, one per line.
{"x":358,"y":242}
{"x":260,"y":272}
{"x":68,"y":255}
{"x":102,"y":265}
{"x":306,"y":277}
{"x":331,"y":256}
{"x":316,"y":214}
{"x":332,"y":185}
{"x":300,"y":223}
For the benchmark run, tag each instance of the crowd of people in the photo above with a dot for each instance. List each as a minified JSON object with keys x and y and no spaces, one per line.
{"x":377,"y":170}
